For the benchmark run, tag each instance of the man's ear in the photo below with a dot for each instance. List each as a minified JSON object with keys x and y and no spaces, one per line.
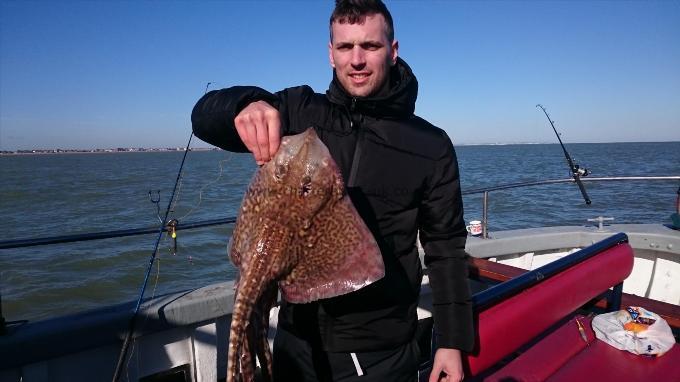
{"x":395,"y":52}
{"x":330,"y":54}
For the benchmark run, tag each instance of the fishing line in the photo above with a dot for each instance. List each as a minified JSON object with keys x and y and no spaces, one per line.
{"x":200,"y":192}
{"x":171,"y":231}
{"x":131,"y":325}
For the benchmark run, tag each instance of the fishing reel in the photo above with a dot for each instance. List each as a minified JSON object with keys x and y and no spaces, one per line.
{"x":580,"y":171}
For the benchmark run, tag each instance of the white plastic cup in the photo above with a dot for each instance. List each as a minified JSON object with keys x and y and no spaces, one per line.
{"x":475,"y":228}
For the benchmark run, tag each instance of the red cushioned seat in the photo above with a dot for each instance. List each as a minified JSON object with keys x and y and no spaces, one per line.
{"x":514,"y":322}
{"x":564,"y":356}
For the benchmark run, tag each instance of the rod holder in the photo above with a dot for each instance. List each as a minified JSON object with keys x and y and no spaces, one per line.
{"x":485,"y":215}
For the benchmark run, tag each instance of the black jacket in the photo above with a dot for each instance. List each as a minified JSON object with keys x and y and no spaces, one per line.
{"x":401,"y":173}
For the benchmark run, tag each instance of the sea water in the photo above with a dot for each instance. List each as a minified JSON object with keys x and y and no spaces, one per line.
{"x":63,"y":194}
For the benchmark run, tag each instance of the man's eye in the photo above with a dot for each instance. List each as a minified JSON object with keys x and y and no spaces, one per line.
{"x":371,"y":46}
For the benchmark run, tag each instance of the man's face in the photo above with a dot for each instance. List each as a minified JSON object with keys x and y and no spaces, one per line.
{"x":362,"y":55}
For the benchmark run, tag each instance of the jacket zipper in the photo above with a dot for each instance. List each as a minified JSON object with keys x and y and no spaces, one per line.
{"x":351,"y":181}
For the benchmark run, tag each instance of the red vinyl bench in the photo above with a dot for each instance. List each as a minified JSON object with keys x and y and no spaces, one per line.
{"x":564,"y":356}
{"x":527,"y":315}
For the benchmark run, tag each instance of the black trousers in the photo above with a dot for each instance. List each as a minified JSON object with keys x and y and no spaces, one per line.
{"x":298,"y":360}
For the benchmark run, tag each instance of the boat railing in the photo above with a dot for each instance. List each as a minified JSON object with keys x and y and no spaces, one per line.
{"x":487,"y":190}
{"x":31,"y":242}
{"x":19,"y":243}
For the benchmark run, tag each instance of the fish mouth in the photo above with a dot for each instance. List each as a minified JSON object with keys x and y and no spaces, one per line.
{"x":305,"y":145}
{"x":298,"y":140}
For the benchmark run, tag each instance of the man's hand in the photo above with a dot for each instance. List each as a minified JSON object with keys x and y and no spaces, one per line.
{"x":447,"y":366}
{"x":259,"y":127}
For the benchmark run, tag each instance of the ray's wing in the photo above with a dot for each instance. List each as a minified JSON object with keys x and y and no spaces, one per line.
{"x":338,"y":255}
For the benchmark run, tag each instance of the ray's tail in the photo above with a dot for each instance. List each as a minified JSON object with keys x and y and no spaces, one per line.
{"x":251,"y":286}
{"x":261,"y":319}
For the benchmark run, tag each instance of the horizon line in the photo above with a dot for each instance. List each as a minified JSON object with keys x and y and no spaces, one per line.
{"x":214,"y":148}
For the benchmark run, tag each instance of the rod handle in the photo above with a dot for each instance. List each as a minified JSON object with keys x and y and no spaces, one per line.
{"x":583,"y":189}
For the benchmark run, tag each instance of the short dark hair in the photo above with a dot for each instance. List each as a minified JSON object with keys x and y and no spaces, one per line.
{"x":355,"y":11}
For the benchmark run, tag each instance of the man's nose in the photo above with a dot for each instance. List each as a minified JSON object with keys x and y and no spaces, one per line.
{"x":358,"y":57}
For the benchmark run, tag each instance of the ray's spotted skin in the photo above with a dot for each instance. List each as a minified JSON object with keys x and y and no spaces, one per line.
{"x":296,"y":227}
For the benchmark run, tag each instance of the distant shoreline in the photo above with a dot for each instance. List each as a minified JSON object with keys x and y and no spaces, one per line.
{"x":102,"y":151}
{"x":181,"y":149}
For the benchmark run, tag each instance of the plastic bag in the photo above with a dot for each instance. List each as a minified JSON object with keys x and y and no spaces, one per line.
{"x":636,"y":330}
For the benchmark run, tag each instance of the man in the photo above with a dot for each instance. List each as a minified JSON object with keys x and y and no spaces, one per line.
{"x":402,"y":176}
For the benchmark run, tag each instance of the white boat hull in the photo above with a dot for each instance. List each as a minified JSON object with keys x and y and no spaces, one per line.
{"x":187,"y":332}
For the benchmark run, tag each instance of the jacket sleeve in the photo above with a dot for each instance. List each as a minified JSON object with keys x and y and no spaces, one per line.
{"x":212,"y":118}
{"x":443,"y":236}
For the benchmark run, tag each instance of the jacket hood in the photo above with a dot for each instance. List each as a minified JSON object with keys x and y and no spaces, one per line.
{"x":398,"y":101}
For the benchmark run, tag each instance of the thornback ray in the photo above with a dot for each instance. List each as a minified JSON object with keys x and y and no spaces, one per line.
{"x":297,"y":229}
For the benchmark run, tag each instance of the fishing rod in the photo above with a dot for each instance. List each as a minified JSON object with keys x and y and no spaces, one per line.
{"x":152,"y":259}
{"x":576,"y":171}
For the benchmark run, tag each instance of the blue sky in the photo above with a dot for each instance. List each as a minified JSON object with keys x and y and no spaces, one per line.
{"x":86,"y":74}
